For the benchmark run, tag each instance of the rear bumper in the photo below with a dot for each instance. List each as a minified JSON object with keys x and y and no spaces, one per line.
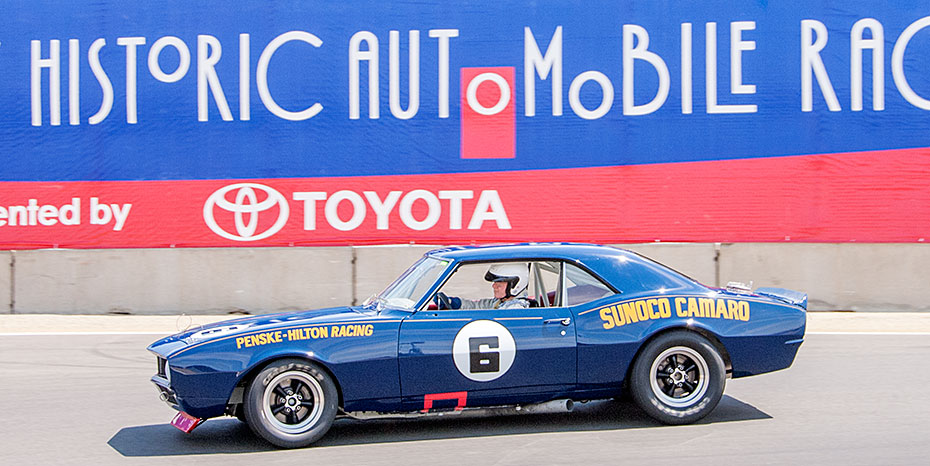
{"x":759,"y":355}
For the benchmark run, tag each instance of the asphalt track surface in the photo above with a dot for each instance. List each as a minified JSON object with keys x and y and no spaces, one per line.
{"x":848,"y":399}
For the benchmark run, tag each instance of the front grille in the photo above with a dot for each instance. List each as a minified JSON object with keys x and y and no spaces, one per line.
{"x":161,"y":367}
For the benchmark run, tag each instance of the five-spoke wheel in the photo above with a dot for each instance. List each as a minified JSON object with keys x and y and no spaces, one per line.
{"x":291,"y":403}
{"x":678,"y":378}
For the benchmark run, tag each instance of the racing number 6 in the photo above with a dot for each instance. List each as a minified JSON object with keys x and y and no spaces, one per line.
{"x":481,"y":358}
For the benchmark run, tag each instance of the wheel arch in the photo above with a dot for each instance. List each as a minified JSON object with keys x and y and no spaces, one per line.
{"x":706,"y":333}
{"x":246,"y":378}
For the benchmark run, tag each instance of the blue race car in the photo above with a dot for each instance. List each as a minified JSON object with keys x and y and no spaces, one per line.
{"x":559,"y":322}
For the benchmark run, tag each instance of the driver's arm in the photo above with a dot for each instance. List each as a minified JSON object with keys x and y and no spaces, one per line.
{"x":486,"y":303}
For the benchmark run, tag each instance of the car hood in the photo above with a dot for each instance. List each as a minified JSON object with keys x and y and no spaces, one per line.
{"x":226,"y":328}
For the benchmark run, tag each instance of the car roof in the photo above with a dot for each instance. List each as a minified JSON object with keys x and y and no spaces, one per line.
{"x":602,"y":260}
{"x":569,"y":251}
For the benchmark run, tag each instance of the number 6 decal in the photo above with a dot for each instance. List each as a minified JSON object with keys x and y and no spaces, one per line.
{"x":483,"y":350}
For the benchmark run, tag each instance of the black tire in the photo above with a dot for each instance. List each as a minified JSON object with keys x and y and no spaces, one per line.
{"x":291,"y":403}
{"x":240,"y":413}
{"x":678,"y":378}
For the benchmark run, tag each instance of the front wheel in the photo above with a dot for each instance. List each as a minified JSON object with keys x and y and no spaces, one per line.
{"x":678,"y":378}
{"x":291,"y":403}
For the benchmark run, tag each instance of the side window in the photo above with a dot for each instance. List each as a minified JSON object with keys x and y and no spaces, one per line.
{"x":488,"y":285}
{"x":468,"y":283}
{"x":581,"y":287}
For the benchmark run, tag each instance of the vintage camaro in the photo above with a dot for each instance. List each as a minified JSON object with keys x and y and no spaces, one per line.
{"x":502,"y":327}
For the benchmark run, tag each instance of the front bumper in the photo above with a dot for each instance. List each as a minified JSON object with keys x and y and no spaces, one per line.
{"x":165,"y":393}
{"x":196,"y":386}
{"x":203,"y":408}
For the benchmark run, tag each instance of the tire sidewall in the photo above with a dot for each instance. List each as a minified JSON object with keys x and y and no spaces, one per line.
{"x":255,"y":414}
{"x":641,"y":387}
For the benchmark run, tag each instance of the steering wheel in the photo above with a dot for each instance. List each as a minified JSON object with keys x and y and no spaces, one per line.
{"x":443,"y":301}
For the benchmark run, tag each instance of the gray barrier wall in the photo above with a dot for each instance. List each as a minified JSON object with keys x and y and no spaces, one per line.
{"x":6,"y":284}
{"x":377,"y":267}
{"x":849,"y":276}
{"x":169,"y":281}
{"x":859,"y":277}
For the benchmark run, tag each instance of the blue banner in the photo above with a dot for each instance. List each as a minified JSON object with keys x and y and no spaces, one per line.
{"x":180,"y":90}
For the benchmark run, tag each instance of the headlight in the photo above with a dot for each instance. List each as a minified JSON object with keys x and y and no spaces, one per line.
{"x":168,"y":371}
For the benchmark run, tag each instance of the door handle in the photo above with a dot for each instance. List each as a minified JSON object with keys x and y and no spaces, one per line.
{"x":564,"y":321}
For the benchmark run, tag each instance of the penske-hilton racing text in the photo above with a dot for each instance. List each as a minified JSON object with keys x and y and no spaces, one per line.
{"x":306,"y":333}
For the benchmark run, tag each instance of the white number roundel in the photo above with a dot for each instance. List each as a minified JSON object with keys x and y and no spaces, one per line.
{"x":483,"y":350}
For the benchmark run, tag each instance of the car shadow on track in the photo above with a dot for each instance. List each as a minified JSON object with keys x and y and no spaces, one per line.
{"x":228,"y":435}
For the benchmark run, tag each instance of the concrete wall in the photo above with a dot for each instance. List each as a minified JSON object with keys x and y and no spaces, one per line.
{"x":377,"y":266}
{"x":860,"y":277}
{"x":848,"y":276}
{"x":170,"y":281}
{"x":6,"y":277}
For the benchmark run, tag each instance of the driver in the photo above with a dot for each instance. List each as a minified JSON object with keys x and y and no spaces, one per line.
{"x":509,"y":282}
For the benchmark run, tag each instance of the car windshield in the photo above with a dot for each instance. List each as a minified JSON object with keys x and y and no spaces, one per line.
{"x":410,"y":287}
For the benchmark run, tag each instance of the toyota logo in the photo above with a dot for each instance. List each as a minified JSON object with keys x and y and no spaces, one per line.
{"x":246,"y":210}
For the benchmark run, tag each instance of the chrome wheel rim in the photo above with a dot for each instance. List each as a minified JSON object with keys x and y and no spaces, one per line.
{"x":293,"y":402}
{"x":679,"y":376}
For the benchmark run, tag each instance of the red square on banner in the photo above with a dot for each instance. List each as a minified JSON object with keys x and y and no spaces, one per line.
{"x":489,"y":125}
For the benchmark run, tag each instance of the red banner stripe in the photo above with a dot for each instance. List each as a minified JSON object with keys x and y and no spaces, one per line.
{"x":881,"y":196}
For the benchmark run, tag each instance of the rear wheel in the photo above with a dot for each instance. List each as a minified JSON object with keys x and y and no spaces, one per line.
{"x":678,"y":378}
{"x":291,"y":403}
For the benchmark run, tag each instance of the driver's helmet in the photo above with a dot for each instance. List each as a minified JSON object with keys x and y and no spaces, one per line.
{"x":516,"y":275}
